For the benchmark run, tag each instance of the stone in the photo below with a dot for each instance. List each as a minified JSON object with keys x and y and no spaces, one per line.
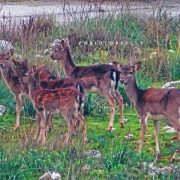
{"x":50,"y":176}
{"x":2,"y":110}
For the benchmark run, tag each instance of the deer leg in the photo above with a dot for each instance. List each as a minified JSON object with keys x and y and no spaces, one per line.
{"x":156,"y":132}
{"x":119,"y":99}
{"x":143,"y":132}
{"x":83,"y":123}
{"x":18,"y":110}
{"x":68,"y":135}
{"x":37,"y":117}
{"x":112,"y":103}
{"x":42,"y":128}
{"x":49,"y":122}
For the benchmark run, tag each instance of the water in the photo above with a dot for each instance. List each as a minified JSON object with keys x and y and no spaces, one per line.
{"x":74,"y":9}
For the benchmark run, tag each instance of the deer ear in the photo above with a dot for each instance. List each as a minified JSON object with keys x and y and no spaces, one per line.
{"x":16,"y":63}
{"x":34,"y":68}
{"x":25,"y":63}
{"x":10,"y":52}
{"x":137,"y":66}
{"x":117,"y":65}
{"x":65,"y":43}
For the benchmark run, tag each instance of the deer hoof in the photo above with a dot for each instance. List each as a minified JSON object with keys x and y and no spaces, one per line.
{"x":121,"y":125}
{"x":48,"y":129}
{"x":176,"y":138}
{"x":85,"y":140}
{"x":158,"y":156}
{"x":41,"y":142}
{"x":16,"y":127}
{"x":110,"y":129}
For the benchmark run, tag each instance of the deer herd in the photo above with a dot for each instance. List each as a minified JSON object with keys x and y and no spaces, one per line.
{"x":50,"y":95}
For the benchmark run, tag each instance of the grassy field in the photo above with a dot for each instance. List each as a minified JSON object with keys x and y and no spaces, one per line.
{"x":21,"y":158}
{"x":154,"y":40}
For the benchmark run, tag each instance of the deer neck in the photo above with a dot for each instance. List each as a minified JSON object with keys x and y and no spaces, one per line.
{"x":32,"y":88}
{"x":133,"y":91}
{"x":68,"y":63}
{"x":7,"y":73}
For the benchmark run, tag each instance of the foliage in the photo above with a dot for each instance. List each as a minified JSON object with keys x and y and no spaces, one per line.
{"x":22,"y":159}
{"x":153,"y":40}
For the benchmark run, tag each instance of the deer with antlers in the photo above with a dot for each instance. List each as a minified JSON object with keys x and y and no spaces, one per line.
{"x":151,"y":103}
{"x":102,"y":78}
{"x":66,"y":101}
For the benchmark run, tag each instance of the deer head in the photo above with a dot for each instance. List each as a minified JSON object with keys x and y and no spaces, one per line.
{"x":127,"y":72}
{"x":5,"y":57}
{"x":21,"y":68}
{"x":59,"y":49}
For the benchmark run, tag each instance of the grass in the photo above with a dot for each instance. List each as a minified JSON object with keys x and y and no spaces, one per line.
{"x":154,"y":41}
{"x":20,"y":158}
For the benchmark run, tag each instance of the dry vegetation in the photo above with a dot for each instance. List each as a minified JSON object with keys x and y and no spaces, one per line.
{"x":124,"y":38}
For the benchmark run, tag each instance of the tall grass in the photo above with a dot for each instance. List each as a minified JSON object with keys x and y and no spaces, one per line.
{"x":122,"y":37}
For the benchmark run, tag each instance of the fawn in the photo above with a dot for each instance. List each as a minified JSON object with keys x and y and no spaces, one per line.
{"x":48,"y":81}
{"x":102,"y":78}
{"x":151,"y":103}
{"x":66,"y":101}
{"x":13,"y":82}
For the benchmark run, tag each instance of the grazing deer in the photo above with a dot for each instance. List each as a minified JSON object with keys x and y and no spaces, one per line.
{"x":102,"y":78}
{"x":66,"y":101}
{"x":13,"y":82}
{"x":151,"y":103}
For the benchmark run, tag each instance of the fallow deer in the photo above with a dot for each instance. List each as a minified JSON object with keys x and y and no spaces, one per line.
{"x":66,"y":101}
{"x":102,"y":78}
{"x":21,"y":69}
{"x":47,"y":81}
{"x":151,"y":103}
{"x":13,"y":82}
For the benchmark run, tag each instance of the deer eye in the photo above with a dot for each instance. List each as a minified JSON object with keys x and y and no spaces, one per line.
{"x":130,"y":72}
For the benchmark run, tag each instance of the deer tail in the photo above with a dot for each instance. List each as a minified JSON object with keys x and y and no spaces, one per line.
{"x":80,"y":88}
{"x":80,"y":102}
{"x":115,"y":76}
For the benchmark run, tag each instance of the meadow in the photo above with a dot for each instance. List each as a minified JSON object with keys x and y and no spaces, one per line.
{"x":122,"y":37}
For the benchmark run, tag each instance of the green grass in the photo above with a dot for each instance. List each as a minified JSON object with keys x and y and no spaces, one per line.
{"x":21,"y":158}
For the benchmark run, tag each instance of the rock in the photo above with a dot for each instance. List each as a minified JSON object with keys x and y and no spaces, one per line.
{"x":153,"y":170}
{"x":129,"y":136}
{"x":50,"y":176}
{"x":39,"y":56}
{"x":2,"y":110}
{"x":169,"y":129}
{"x":5,"y":45}
{"x":86,"y":169}
{"x":153,"y":54}
{"x":92,"y":154}
{"x":172,"y":130}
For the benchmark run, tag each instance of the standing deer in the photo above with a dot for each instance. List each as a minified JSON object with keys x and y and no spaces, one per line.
{"x":66,"y":101}
{"x":102,"y":78}
{"x":47,"y":81}
{"x":13,"y":82}
{"x":151,"y":103}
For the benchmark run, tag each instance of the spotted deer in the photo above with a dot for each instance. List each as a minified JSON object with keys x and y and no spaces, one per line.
{"x":47,"y":81}
{"x":153,"y":103}
{"x":66,"y":101}
{"x":13,"y":82}
{"x":102,"y":78}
